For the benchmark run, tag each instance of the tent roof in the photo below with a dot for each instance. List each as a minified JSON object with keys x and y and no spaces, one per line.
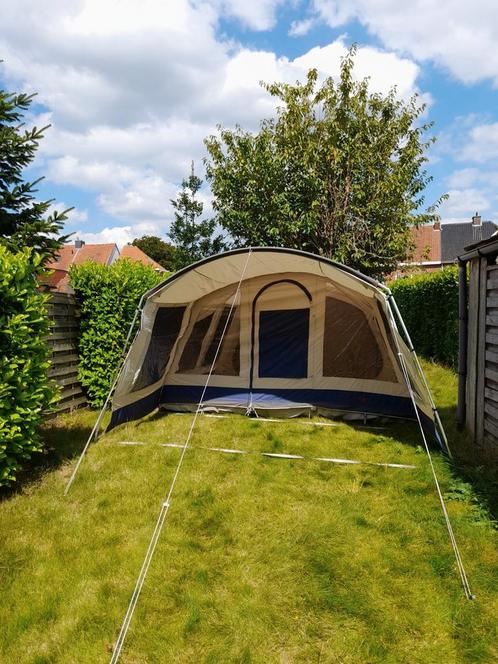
{"x":268,"y":260}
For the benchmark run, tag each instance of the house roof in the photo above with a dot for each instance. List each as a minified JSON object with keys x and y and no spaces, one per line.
{"x":136,"y":254}
{"x":105,"y":254}
{"x":456,"y":236}
{"x":69,"y":255}
{"x":427,"y":245}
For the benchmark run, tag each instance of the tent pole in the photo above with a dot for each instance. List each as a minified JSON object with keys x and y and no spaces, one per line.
{"x":94,"y":434}
{"x":392,"y":303}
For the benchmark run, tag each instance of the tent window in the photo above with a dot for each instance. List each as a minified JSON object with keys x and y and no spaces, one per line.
{"x":350,"y":349}
{"x":228,"y":360}
{"x":200,"y":349}
{"x":165,"y":332}
{"x":193,"y":346}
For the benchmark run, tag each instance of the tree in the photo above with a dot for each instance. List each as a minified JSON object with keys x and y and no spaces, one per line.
{"x":162,"y":252}
{"x":338,"y":172}
{"x":24,"y":221}
{"x":194,"y":238}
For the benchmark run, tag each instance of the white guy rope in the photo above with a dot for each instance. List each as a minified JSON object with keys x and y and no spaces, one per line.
{"x":166,"y":503}
{"x":456,"y":551}
{"x":303,"y":423}
{"x":228,"y":450}
{"x":94,"y":432}
{"x":461,"y":569}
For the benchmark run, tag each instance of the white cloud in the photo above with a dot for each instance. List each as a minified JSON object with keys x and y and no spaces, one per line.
{"x":384,"y":69}
{"x":302,"y":27}
{"x":459,"y":36}
{"x":463,"y":203}
{"x":133,"y":88}
{"x":256,"y":14}
{"x":75,"y":215}
{"x":481,"y":144}
{"x":120,"y":235}
{"x":122,"y":192}
{"x":465,"y":177}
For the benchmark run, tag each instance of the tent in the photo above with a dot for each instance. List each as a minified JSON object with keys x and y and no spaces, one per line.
{"x":269,"y":330}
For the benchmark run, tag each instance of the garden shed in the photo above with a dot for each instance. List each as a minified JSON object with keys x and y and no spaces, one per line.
{"x":478,"y":342}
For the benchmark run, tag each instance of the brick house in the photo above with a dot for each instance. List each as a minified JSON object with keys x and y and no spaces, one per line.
{"x":440,"y":244}
{"x":80,"y":252}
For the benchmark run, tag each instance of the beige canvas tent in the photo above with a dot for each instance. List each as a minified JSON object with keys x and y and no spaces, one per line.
{"x":272,"y":330}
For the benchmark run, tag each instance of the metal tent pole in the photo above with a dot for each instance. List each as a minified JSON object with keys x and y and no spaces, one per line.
{"x":392,"y":303}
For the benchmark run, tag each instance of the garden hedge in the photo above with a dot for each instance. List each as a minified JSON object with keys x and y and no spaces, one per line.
{"x":25,"y":391}
{"x":108,"y":297}
{"x":429,"y":306}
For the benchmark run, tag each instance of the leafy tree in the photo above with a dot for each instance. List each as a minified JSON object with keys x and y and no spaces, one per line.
{"x":192,"y":236}
{"x":339,"y":172}
{"x":162,"y":252}
{"x":24,"y":221}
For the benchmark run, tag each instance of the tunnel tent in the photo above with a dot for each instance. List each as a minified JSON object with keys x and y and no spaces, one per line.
{"x":298,"y":334}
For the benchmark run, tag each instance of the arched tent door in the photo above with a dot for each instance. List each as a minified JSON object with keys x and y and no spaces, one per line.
{"x":280,"y":332}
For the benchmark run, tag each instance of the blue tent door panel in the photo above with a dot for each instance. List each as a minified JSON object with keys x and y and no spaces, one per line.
{"x":283,"y":343}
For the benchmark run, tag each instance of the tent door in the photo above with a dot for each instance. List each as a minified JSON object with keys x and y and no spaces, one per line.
{"x":283,"y":343}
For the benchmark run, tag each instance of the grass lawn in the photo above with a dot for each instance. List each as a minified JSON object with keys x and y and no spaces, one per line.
{"x":261,"y":560}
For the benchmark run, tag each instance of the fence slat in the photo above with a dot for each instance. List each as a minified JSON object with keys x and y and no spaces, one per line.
{"x":64,"y":314}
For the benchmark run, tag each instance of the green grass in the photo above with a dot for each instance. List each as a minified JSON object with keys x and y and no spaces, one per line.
{"x":261,"y":560}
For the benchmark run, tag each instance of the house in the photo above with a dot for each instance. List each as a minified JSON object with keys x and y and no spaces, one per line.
{"x":478,"y":345}
{"x":80,"y":252}
{"x":135,"y":254}
{"x":441,"y":243}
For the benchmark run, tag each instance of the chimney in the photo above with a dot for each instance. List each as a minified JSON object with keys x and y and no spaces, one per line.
{"x":437,"y":225}
{"x":476,"y":220}
{"x":78,"y":244}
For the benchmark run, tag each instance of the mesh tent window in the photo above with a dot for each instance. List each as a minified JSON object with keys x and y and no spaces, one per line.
{"x":350,"y":349}
{"x":167,"y":324}
{"x":199,"y":351}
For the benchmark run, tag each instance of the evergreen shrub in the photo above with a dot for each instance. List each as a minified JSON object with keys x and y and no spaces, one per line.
{"x":108,"y":297}
{"x":25,"y":390}
{"x":429,"y":306}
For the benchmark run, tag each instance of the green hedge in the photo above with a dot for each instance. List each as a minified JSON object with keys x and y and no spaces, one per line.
{"x":25,"y":391}
{"x":429,"y":306}
{"x":108,"y":295}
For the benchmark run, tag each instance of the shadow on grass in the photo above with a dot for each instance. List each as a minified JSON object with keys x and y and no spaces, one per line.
{"x":467,"y":467}
{"x":63,"y":438}
{"x":475,"y":480}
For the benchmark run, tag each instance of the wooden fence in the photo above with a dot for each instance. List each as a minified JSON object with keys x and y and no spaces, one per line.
{"x":63,"y":338}
{"x":482,"y":358}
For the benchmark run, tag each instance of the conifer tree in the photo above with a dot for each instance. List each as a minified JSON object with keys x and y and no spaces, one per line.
{"x":24,"y":220}
{"x":193,"y":237}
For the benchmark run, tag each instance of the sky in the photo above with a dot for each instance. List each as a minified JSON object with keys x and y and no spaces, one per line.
{"x":130,"y":88}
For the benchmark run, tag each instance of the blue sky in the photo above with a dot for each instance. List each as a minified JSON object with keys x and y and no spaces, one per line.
{"x":132,"y":87}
